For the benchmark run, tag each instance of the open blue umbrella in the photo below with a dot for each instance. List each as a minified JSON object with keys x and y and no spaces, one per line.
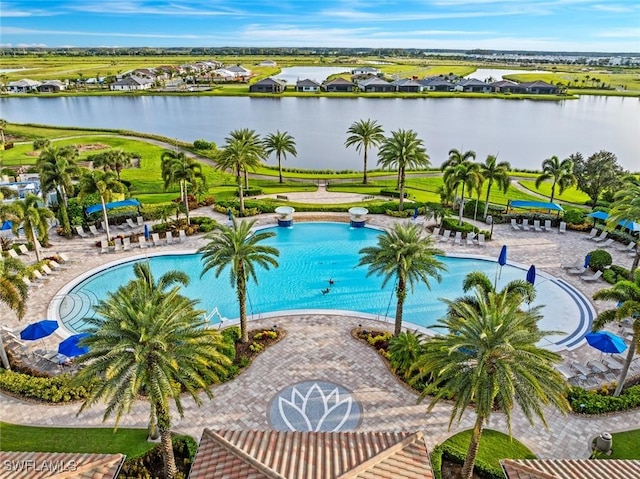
{"x":39,"y":330}
{"x":531,"y":275}
{"x":606,"y":342}
{"x":69,"y":347}
{"x":587,"y":260}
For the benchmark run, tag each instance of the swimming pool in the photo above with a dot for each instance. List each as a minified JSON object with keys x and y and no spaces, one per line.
{"x":317,"y":256}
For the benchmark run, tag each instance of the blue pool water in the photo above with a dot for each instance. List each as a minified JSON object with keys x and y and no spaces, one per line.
{"x":311,"y":254}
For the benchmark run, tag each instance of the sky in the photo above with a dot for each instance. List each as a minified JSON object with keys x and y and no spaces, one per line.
{"x":539,"y":25}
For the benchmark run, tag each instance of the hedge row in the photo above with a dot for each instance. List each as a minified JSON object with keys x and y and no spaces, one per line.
{"x":595,"y":402}
{"x":54,"y":389}
{"x":150,"y":464}
{"x":454,"y":455}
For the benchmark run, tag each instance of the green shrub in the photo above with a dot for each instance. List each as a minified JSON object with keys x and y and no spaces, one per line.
{"x":203,"y":145}
{"x":255,"y":347}
{"x":598,"y":402}
{"x":452,"y":224}
{"x":204,"y":223}
{"x":379,"y":340}
{"x":404,"y":350}
{"x":573,"y":216}
{"x":54,"y":389}
{"x":253,"y":191}
{"x":600,"y":259}
{"x":392,"y":193}
{"x":149,"y":464}
{"x":232,"y":334}
{"x":436,"y":462}
{"x":609,"y":276}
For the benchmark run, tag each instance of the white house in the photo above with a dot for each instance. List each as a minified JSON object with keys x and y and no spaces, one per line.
{"x":23,"y":86}
{"x":131,"y":83}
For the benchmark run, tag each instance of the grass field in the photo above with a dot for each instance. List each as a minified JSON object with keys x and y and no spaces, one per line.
{"x":570,"y":195}
{"x":626,"y":445}
{"x":628,"y":80}
{"x":132,"y":442}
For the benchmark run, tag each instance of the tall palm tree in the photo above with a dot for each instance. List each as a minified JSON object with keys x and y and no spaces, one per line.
{"x":13,"y":294}
{"x":149,"y":341}
{"x":105,"y":184}
{"x":3,"y":125}
{"x":479,"y":283}
{"x":239,"y":248}
{"x":496,"y":172}
{"x":489,"y":358}
{"x":626,"y":207}
{"x":280,"y":144}
{"x":364,"y":134}
{"x":405,"y":256}
{"x":403,"y":150}
{"x":627,"y":295}
{"x":561,"y":172}
{"x":457,"y":157}
{"x":33,"y":217}
{"x":57,"y":168}
{"x":114,"y":159}
{"x":252,"y":139}
{"x":238,"y":156}
{"x":178,"y":168}
{"x":466,"y":174}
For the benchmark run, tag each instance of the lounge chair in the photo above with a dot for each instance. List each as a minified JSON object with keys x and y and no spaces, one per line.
{"x":182,"y":235}
{"x":140,"y":221}
{"x":23,"y":249}
{"x":444,"y":237}
{"x":93,"y":230}
{"x":574,"y":265}
{"x":607,"y":243}
{"x":126,"y":244}
{"x":592,"y":234}
{"x":55,"y":265}
{"x":104,"y":246}
{"x":626,"y":249}
{"x":593,"y":277}
{"x":481,"y":241}
{"x":578,"y":270}
{"x":81,"y":232}
{"x":131,"y":224}
{"x":515,"y":225}
{"x":547,"y":226}
{"x":142,"y":242}
{"x":156,"y":239}
{"x":46,"y":270}
{"x":12,"y":253}
{"x":458,"y":237}
{"x":601,"y":237}
{"x":563,"y":227}
{"x":536,"y":226}
{"x":30,"y":283}
{"x":64,"y":257}
{"x":117,"y":245}
{"x":528,"y":225}
{"x":471,"y":238}
{"x":39,"y":276}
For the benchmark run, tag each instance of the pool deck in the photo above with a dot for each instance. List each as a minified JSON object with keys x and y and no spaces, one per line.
{"x":318,"y":346}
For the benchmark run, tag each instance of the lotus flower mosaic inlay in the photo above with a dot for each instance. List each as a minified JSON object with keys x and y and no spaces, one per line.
{"x":314,"y":406}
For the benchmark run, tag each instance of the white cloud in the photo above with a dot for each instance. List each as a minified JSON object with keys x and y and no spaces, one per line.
{"x":141,"y":8}
{"x":355,"y":15}
{"x":19,"y":31}
{"x":614,"y":8}
{"x":631,"y":33}
{"x":8,"y":10}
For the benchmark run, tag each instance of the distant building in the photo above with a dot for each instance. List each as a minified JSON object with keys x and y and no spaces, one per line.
{"x":407,"y":85}
{"x":339,"y":85}
{"x":377,"y":85}
{"x":131,"y":83}
{"x":267,"y":63}
{"x":23,"y":86}
{"x":436,"y":84}
{"x":51,"y":86}
{"x":308,"y":86}
{"x":240,"y":71}
{"x":362,"y":71}
{"x":268,"y":85}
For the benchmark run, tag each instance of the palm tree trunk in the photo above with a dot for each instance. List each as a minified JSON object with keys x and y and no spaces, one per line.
{"x":486,"y":201}
{"x":279,"y":167}
{"x":246,"y":180}
{"x":401,"y":294}
{"x":364,"y":175}
{"x":105,"y":218}
{"x":625,"y":368}
{"x":461,"y":209}
{"x":401,"y":188}
{"x":152,"y":429}
{"x":241,"y":287}
{"x":186,"y":202}
{"x":64,"y":214}
{"x":3,"y":355}
{"x":472,"y":452}
{"x":636,"y":260}
{"x":35,"y":241}
{"x":164,"y":424}
{"x":240,"y":195}
{"x":553,"y":192}
{"x":475,"y":210}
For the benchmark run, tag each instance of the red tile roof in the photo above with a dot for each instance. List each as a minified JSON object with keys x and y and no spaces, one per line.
{"x":311,"y":455}
{"x":571,"y":469}
{"x":58,"y":465}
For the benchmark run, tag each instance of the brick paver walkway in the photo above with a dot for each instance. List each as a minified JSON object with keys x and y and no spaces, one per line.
{"x":320,"y":347}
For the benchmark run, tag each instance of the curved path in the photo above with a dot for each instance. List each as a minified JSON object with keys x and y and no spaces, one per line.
{"x":320,"y":347}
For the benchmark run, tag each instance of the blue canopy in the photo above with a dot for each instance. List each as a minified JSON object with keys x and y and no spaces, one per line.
{"x":6,"y":225}
{"x":601,"y":215}
{"x":114,"y":204}
{"x":535,"y":205}
{"x":38,"y":330}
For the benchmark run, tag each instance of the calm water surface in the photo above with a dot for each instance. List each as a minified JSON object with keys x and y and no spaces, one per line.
{"x":523,"y":132}
{"x":319,"y":74}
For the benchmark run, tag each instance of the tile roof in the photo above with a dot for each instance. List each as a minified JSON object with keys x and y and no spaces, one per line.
{"x":570,"y":469}
{"x":339,"y":81}
{"x":307,"y":82}
{"x":311,"y":455}
{"x":59,"y":465}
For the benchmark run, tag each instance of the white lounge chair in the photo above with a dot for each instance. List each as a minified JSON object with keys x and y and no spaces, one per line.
{"x":481,"y":241}
{"x":104,"y":246}
{"x":444,"y":237}
{"x":46,"y":270}
{"x":458,"y":237}
{"x":471,"y":238}
{"x":576,"y":264}
{"x":601,"y":237}
{"x":64,"y":257}
{"x":563,"y":227}
{"x":607,"y":243}
{"x":12,"y":253}
{"x":126,"y":243}
{"x":30,"y":283}
{"x":142,"y":242}
{"x":547,"y":226}
{"x":155,"y":237}
{"x":39,"y":276}
{"x":578,"y":270}
{"x":131,"y":224}
{"x":140,"y":221}
{"x":536,"y":226}
{"x":169,"y":237}
{"x":528,"y":225}
{"x":182,"y":235}
{"x":93,"y":230}
{"x":593,"y":277}
{"x":592,"y":234}
{"x":515,"y":225}
{"x":117,"y":245}
{"x":626,"y":249}
{"x":81,"y":232}
{"x":23,"y":249}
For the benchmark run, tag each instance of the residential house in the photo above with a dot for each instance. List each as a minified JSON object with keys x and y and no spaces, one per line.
{"x":375,"y":84}
{"x":149,"y":73}
{"x":131,"y":83}
{"x":240,"y":72}
{"x":268,"y":85}
{"x":223,"y":75}
{"x":339,"y":85}
{"x":365,"y":71}
{"x":570,"y":468}
{"x":23,"y":86}
{"x":473,"y":85}
{"x":312,"y":455}
{"x":267,"y":63}
{"x":540,"y":88}
{"x":436,"y":84}
{"x":51,"y":465}
{"x":407,"y":85}
{"x":51,"y":86}
{"x":308,"y":85}
{"x":507,"y":86}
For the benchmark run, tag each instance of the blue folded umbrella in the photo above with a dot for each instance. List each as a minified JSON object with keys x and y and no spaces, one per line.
{"x":531,"y":275}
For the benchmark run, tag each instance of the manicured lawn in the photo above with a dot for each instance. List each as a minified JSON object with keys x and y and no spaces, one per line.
{"x":626,"y":445}
{"x":570,"y":195}
{"x":494,"y":446}
{"x":131,"y":442}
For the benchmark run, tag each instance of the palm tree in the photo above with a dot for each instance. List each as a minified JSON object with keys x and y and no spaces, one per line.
{"x":178,"y":168}
{"x":403,"y":150}
{"x":496,"y":172}
{"x":57,"y":167}
{"x":627,"y":295}
{"x":33,"y":217}
{"x":252,"y":139}
{"x":149,"y":341}
{"x":3,"y":125}
{"x":457,"y":157}
{"x":13,"y":294}
{"x":239,"y":248}
{"x":626,"y":207}
{"x":364,"y":134}
{"x":280,"y":144}
{"x":238,"y":156}
{"x":402,"y":254}
{"x":561,"y":172}
{"x":489,"y":358}
{"x":103,"y":183}
{"x":115,"y":160}
{"x":479,"y":283}
{"x":466,"y":174}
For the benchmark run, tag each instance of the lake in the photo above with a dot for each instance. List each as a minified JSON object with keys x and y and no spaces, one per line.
{"x":483,"y":74}
{"x":319,"y":74}
{"x":523,"y":132}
